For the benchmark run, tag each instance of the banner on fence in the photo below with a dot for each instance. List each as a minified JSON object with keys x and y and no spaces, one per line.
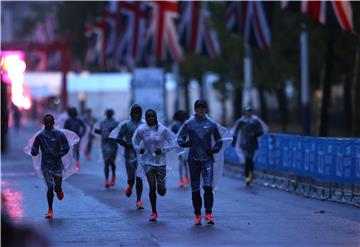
{"x":325,"y":159}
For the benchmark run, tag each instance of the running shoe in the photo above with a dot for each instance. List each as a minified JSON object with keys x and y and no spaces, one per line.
{"x":60,"y":195}
{"x":187,"y":180}
{"x":153,"y":216}
{"x":139,"y":205}
{"x":181,"y":183}
{"x":77,"y":165}
{"x":209,"y":219}
{"x":249,"y":179}
{"x":49,"y":214}
{"x":112,"y":182}
{"x":107,"y":184}
{"x":197,"y":220}
{"x":128,"y":191}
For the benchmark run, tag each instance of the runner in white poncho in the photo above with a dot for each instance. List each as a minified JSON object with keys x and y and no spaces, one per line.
{"x":123,"y":134}
{"x":109,"y":146}
{"x":52,"y":157}
{"x":155,"y":145}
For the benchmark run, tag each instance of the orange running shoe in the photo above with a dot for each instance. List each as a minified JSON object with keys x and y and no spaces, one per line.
{"x":181,"y":183}
{"x":128,"y":191}
{"x":187,"y":180}
{"x":209,"y":219}
{"x":197,"y":220}
{"x":249,"y":179}
{"x":49,"y":214}
{"x":107,"y":184}
{"x":139,"y":205}
{"x":112,"y":182}
{"x":60,"y":195}
{"x":77,"y":165}
{"x":153,"y":216}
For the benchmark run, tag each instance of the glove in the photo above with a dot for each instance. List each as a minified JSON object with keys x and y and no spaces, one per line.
{"x":128,"y":145}
{"x":209,"y":152}
{"x":186,"y":145}
{"x":142,"y":151}
{"x":158,"y":151}
{"x":215,"y":151}
{"x":233,"y":143}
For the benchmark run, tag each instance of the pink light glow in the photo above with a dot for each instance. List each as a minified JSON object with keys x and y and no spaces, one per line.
{"x":13,"y":66}
{"x":13,"y":203}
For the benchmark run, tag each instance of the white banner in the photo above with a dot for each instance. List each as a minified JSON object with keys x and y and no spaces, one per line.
{"x":149,"y":90}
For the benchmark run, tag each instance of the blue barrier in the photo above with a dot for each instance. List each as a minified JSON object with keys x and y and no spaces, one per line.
{"x":331,"y":160}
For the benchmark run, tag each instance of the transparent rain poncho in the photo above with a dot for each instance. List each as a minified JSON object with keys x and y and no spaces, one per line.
{"x":68,"y":163}
{"x":226,"y":138}
{"x":61,"y":119}
{"x":240,"y":135}
{"x":97,"y":136}
{"x":85,"y":139}
{"x":109,"y":147}
{"x":151,"y":139}
{"x":175,"y":127}
{"x":127,"y":136}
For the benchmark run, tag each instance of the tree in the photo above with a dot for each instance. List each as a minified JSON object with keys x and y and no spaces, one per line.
{"x":72,"y":17}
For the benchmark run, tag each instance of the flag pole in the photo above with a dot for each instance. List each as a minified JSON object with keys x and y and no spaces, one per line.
{"x":304,"y":61}
{"x":247,"y":75}
{"x":326,"y":84}
{"x":175,"y":72}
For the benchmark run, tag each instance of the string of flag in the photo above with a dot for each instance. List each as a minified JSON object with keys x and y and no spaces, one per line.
{"x":143,"y":32}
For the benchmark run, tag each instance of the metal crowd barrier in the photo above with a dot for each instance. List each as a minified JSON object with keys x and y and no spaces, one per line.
{"x":324,"y":168}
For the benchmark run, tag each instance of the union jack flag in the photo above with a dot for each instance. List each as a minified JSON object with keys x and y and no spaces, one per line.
{"x":131,"y":43}
{"x":113,"y":26}
{"x":161,"y":35}
{"x":112,"y":36}
{"x":98,"y":35}
{"x":251,"y":20}
{"x":195,"y":29}
{"x":325,"y":12}
{"x":91,"y":48}
{"x":43,"y":59}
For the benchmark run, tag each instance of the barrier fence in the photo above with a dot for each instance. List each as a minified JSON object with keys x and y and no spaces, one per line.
{"x":332,"y":160}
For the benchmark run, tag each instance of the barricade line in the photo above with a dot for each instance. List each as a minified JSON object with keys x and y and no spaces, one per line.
{"x":299,"y":185}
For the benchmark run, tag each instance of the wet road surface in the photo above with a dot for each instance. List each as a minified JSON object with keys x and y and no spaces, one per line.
{"x":91,"y":215}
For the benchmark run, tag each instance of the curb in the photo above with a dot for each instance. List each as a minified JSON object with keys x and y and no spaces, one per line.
{"x":308,"y":187}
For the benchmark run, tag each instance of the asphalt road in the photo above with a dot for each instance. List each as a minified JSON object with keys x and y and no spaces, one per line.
{"x":91,"y":215}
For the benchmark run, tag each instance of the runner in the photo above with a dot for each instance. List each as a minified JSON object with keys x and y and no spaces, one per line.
{"x":54,"y":162}
{"x":205,"y":139}
{"x":246,"y":132}
{"x":90,"y":121}
{"x":108,"y":146}
{"x":75,"y":124}
{"x":179,"y":119}
{"x":124,"y":134}
{"x":153,"y":142}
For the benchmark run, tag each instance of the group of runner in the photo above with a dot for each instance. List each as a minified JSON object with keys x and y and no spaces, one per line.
{"x":149,"y":150}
